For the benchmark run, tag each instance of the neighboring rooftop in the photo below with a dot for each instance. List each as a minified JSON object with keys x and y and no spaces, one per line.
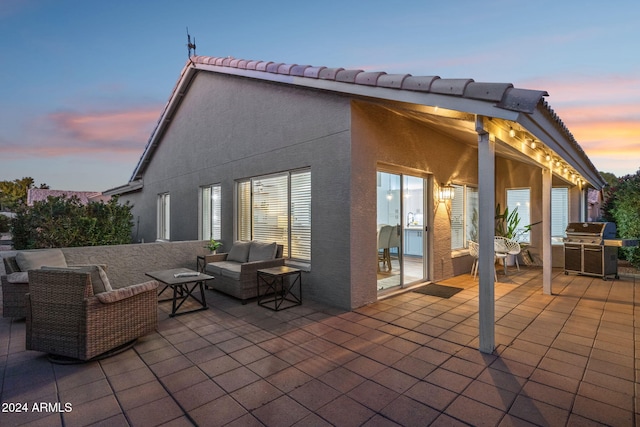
{"x":40,"y":194}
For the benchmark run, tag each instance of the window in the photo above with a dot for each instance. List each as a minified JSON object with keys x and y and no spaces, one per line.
{"x":277,"y":208}
{"x":164,"y":218}
{"x":210,"y":199}
{"x":559,"y":213}
{"x":464,"y":216}
{"x":520,"y":198}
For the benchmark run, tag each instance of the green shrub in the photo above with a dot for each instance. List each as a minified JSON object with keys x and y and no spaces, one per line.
{"x":65,"y":222}
{"x":4,"y":223}
{"x":623,"y":207}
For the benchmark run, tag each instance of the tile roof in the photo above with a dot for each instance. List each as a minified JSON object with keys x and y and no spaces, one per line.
{"x":498,"y":96}
{"x":504,"y":94}
{"x":40,"y":194}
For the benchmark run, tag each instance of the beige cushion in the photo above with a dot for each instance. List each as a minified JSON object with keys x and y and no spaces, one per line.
{"x":20,"y":277}
{"x":239,"y":251}
{"x":99,"y":280}
{"x":37,"y":259}
{"x":262,"y":251}
{"x":124,"y":293}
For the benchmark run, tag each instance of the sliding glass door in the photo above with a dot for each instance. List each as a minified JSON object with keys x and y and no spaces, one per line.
{"x":401,"y":222}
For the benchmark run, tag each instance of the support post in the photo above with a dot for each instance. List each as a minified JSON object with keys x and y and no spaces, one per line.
{"x":486,"y":235}
{"x":547,"y":258}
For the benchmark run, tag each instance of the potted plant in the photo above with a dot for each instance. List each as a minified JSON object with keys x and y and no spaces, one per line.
{"x":507,"y":222}
{"x":213,"y":245}
{"x":507,"y":226}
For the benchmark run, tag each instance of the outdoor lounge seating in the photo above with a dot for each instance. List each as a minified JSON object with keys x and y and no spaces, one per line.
{"x":236,"y":271}
{"x":15,"y":284}
{"x":74,"y":312}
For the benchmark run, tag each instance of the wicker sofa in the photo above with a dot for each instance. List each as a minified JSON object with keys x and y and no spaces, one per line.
{"x":235,"y":271}
{"x":15,"y":284}
{"x":74,"y":312}
{"x":127,"y":265}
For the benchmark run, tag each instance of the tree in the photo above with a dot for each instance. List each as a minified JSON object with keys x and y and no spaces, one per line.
{"x":12,"y":193}
{"x":622,"y":206}
{"x":65,"y":222}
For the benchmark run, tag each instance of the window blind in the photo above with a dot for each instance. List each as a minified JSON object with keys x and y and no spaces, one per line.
{"x":210,"y":200}
{"x":301,"y":215}
{"x":471,"y":215}
{"x":164,"y":220}
{"x":270,"y":210}
{"x":277,"y":208}
{"x":559,"y":211}
{"x":244,"y":210}
{"x":457,"y":218}
{"x":520,"y":198}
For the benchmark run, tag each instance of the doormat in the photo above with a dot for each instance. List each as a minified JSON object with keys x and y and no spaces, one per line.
{"x":438,"y":290}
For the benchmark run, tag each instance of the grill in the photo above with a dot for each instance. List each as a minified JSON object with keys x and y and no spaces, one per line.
{"x":591,"y":248}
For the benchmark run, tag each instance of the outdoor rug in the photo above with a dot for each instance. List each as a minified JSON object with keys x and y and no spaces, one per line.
{"x":438,"y":290}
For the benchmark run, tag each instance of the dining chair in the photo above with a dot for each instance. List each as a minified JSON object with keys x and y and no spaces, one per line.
{"x":384,"y":234}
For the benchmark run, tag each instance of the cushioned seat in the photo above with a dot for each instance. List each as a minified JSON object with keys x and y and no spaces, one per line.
{"x":64,"y":317}
{"x":15,"y":284}
{"x":236,"y":271}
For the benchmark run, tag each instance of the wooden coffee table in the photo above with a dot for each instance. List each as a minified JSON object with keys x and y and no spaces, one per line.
{"x":183,"y":282}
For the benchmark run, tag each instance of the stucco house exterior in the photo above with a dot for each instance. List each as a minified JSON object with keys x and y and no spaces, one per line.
{"x":320,"y":158}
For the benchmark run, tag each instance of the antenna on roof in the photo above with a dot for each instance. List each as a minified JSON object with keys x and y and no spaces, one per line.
{"x":191,"y":46}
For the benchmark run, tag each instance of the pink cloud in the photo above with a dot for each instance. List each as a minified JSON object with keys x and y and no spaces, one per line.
{"x":106,"y":127}
{"x":588,"y":89}
{"x":110,"y":133}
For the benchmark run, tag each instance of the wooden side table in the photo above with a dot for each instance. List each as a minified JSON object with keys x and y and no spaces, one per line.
{"x":281,"y":285}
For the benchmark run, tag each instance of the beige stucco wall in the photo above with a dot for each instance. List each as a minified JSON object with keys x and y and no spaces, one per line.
{"x":381,"y":138}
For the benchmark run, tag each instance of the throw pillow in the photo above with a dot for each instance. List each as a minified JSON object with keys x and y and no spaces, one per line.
{"x":262,"y":251}
{"x":99,"y":280}
{"x":36,"y":259}
{"x":239,"y":252}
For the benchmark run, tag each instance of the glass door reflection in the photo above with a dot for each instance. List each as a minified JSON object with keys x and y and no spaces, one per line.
{"x":389,"y":230}
{"x":401,"y":230}
{"x":414,"y":227}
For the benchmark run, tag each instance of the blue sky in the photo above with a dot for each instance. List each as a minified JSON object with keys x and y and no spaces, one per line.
{"x":82,"y":83}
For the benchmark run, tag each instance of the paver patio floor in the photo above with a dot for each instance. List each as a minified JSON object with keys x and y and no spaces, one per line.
{"x":563,"y":360}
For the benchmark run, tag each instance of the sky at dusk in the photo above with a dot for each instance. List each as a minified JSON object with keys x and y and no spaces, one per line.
{"x":83,"y":83}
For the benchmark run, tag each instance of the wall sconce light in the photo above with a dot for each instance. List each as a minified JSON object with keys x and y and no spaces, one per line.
{"x":512,"y":133}
{"x":548,"y":157}
{"x":533,"y":145}
{"x":447,"y":192}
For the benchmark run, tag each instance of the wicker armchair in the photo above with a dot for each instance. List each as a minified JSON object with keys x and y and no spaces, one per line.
{"x":12,"y":292}
{"x":65,"y":318}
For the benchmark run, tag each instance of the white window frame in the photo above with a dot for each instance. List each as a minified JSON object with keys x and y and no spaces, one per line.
{"x":210,"y":212}
{"x":277,"y":208}
{"x":164,"y":217}
{"x":463,"y":194}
